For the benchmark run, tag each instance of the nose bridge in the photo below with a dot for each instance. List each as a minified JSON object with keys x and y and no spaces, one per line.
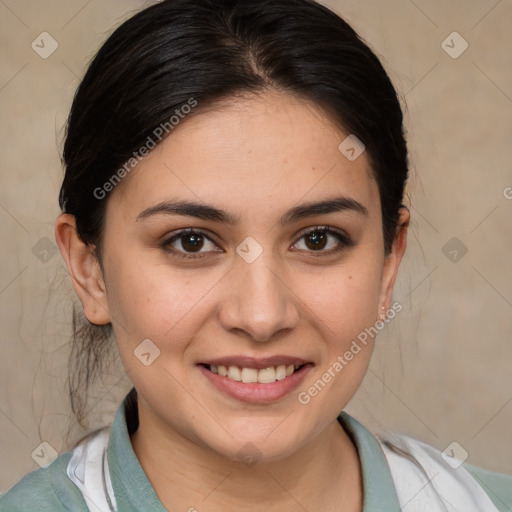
{"x":259,"y":302}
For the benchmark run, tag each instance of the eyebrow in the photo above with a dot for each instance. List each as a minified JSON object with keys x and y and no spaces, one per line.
{"x":207,"y":212}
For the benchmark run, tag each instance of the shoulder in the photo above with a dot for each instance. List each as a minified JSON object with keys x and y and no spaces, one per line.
{"x":45,"y":490}
{"x":414,"y":464}
{"x":498,"y":486}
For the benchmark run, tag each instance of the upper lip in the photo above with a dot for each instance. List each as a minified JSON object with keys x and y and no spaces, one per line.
{"x":253,"y":362}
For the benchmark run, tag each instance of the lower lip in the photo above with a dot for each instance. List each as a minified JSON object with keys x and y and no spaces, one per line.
{"x":254,"y":392}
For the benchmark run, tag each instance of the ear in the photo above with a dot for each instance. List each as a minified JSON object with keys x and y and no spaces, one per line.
{"x":84,"y":269}
{"x":392,"y":262}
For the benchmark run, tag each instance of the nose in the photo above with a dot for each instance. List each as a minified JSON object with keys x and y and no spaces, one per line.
{"x":259,"y":303}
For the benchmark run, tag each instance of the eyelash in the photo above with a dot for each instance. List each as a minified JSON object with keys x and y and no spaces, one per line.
{"x":344,"y":241}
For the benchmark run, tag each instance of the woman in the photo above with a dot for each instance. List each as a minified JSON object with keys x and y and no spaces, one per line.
{"x":232,"y":211}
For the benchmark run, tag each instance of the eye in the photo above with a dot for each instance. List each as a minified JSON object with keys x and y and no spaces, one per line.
{"x":192,"y":243}
{"x":323,"y":240}
{"x":188,"y":243}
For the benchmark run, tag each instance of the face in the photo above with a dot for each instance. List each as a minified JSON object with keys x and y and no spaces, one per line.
{"x":278,"y":263}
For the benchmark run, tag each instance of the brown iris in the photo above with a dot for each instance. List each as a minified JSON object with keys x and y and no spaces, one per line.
{"x":316,"y":240}
{"x":192,"y":242}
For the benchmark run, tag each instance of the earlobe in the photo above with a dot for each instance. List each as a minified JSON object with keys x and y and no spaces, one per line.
{"x":84,"y":270}
{"x":392,"y":262}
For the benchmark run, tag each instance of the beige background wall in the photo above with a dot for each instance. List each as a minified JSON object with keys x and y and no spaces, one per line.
{"x":442,"y":371}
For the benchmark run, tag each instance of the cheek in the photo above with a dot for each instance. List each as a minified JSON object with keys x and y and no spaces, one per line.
{"x":152,"y":301}
{"x":343,"y":308}
{"x":344,"y":301}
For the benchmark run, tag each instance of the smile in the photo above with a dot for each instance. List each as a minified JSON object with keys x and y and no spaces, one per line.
{"x":256,"y":380}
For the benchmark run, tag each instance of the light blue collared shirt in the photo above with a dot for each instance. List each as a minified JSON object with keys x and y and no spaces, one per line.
{"x":51,"y":490}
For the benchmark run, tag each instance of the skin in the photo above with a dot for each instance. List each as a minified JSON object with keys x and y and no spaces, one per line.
{"x":256,"y":157}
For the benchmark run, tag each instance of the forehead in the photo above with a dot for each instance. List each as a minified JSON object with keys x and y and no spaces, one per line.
{"x":251,"y":154}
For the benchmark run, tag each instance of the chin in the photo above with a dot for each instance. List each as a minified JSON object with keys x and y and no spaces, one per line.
{"x":256,"y":440}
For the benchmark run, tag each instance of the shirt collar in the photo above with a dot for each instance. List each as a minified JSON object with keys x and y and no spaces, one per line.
{"x":134,"y":491}
{"x":378,"y":487}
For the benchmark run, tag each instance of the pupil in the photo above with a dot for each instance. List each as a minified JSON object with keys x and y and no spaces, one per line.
{"x":318,"y":240}
{"x":192,"y":242}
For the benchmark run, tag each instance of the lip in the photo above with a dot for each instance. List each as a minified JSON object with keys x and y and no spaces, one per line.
{"x":255,"y":392}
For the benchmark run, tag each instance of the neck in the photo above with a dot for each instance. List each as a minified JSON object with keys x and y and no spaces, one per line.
{"x":323,"y":475}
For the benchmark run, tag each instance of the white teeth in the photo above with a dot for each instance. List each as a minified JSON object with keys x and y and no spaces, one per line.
{"x":234,"y":373}
{"x":281,"y":372}
{"x":252,"y":375}
{"x":267,"y":375}
{"x":249,"y":375}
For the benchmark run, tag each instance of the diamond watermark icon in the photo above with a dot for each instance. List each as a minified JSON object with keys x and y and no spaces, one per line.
{"x":454,"y":45}
{"x":146,"y":352}
{"x":454,"y":249}
{"x":351,"y":147}
{"x":454,"y":455}
{"x":44,"y":249}
{"x":44,"y":454}
{"x":44,"y":45}
{"x":249,"y":250}
{"x":249,"y":454}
